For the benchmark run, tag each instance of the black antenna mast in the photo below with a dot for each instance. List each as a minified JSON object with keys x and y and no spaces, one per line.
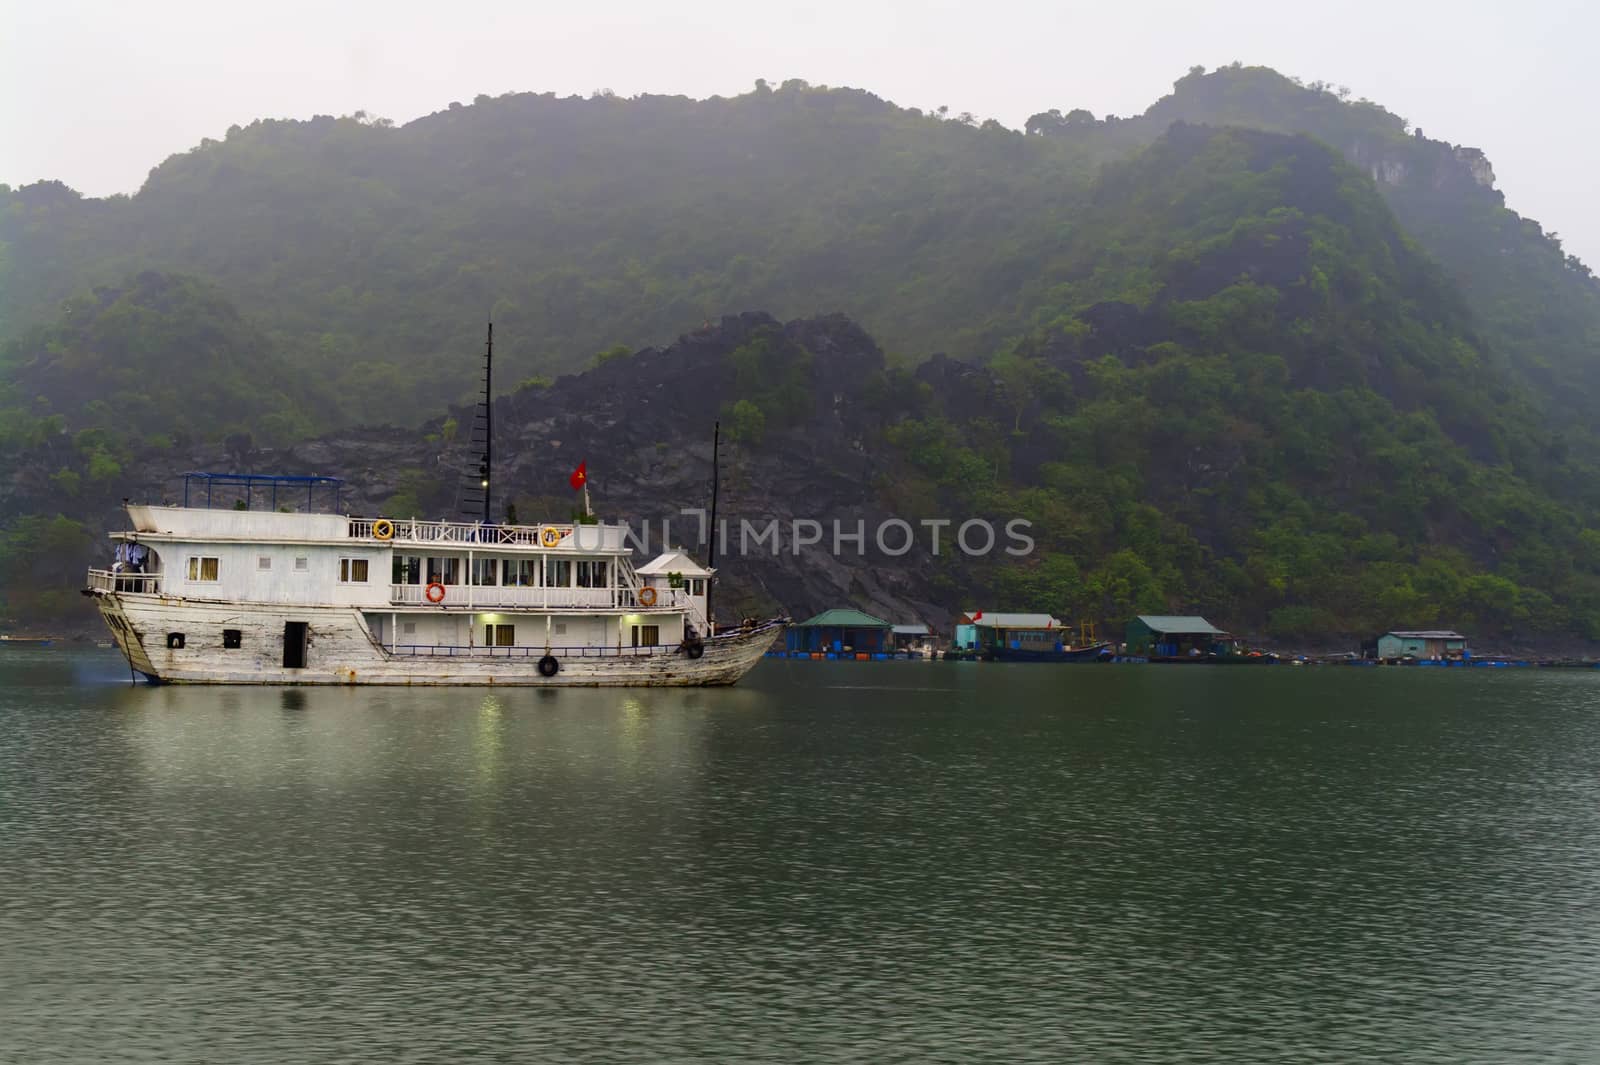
{"x":488,"y":421}
{"x":716,"y":441}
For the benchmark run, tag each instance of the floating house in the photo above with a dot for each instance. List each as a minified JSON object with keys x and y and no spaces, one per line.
{"x":968,"y":636}
{"x":841,"y":631}
{"x":912,"y":638}
{"x":1177,"y":636}
{"x":1429,"y":644}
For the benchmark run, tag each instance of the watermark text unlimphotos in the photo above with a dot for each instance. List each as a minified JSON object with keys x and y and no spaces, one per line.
{"x":894,"y":537}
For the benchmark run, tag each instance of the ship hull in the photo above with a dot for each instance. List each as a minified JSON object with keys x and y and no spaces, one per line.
{"x":180,"y":641}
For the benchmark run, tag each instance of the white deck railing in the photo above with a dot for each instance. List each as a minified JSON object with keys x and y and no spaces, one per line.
{"x":104,"y":580}
{"x":413,"y":650}
{"x":467,"y":533}
{"x":480,"y":596}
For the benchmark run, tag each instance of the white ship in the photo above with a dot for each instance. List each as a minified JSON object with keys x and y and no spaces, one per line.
{"x":205,"y":595}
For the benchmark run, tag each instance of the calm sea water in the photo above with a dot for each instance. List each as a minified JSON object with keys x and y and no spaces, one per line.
{"x":898,"y":862}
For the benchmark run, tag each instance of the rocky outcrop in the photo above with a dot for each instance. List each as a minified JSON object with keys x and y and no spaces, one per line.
{"x":1476,"y":164}
{"x":1434,"y":164}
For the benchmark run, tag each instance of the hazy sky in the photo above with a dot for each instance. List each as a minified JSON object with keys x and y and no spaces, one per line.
{"x":97,"y":93}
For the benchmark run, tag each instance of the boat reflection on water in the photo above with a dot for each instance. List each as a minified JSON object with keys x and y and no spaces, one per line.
{"x":257,"y":737}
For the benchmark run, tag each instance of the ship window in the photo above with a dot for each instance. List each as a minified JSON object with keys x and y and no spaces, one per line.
{"x":407,"y":569}
{"x":592,"y":574}
{"x":409,"y":628}
{"x":444,"y":570}
{"x":483,"y":570}
{"x":558,"y":573}
{"x":646,"y":635}
{"x":697,"y":586}
{"x":561,"y":628}
{"x":175,"y":640}
{"x":301,"y":564}
{"x":499,"y":635}
{"x":202,"y":568}
{"x":231,"y":638}
{"x":263,"y":562}
{"x":518,"y":572}
{"x":353,"y":571}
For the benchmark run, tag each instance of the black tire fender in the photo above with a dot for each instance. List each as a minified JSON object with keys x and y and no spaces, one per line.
{"x":549,"y":666}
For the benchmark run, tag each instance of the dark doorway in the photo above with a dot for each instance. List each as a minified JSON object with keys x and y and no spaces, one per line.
{"x":294,"y":645}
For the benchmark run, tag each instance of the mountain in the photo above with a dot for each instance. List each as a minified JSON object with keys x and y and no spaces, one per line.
{"x":1533,"y":302}
{"x":1249,"y":393}
{"x":1202,"y":352}
{"x":372,"y":254}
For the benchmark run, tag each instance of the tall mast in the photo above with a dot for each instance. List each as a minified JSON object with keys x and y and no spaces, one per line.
{"x":716,"y":441}
{"x":488,"y":421}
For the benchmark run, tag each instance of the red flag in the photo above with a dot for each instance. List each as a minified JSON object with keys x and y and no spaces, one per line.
{"x":580,"y":476}
{"x":978,"y":615}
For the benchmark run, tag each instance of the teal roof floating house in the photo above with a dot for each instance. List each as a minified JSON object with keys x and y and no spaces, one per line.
{"x":993,"y":620}
{"x":841,"y":631}
{"x":968,"y":638}
{"x":1427,"y":644}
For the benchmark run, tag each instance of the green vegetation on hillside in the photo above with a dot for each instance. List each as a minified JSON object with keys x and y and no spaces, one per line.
{"x":162,"y":357}
{"x":372,"y":254}
{"x":1253,"y":396}
{"x":1538,"y":306}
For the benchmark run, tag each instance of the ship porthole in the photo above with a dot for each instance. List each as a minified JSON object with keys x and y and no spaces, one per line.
{"x":175,"y":641}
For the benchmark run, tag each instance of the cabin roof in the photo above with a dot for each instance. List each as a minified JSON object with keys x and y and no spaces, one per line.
{"x":911,"y":630}
{"x":985,"y":619}
{"x":1181,"y":624}
{"x":1426,"y":634}
{"x":844,"y":617}
{"x":676,"y":561}
{"x":207,"y":485}
{"x":260,"y":478}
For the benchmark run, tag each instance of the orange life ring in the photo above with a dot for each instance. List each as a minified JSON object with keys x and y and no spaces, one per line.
{"x":647,"y":596}
{"x":432,"y":588}
{"x":383,"y":529}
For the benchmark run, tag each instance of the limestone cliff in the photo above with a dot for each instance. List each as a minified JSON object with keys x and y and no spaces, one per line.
{"x":643,"y":424}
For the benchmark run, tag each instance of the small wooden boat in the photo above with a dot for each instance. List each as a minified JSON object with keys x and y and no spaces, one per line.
{"x":1099,"y":652}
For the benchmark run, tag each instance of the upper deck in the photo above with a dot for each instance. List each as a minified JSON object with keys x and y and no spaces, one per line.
{"x":223,"y":508}
{"x":224,"y":550}
{"x":202,"y":525}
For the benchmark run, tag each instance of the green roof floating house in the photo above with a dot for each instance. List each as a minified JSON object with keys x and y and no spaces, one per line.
{"x":1178,"y":636}
{"x":841,"y":632}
